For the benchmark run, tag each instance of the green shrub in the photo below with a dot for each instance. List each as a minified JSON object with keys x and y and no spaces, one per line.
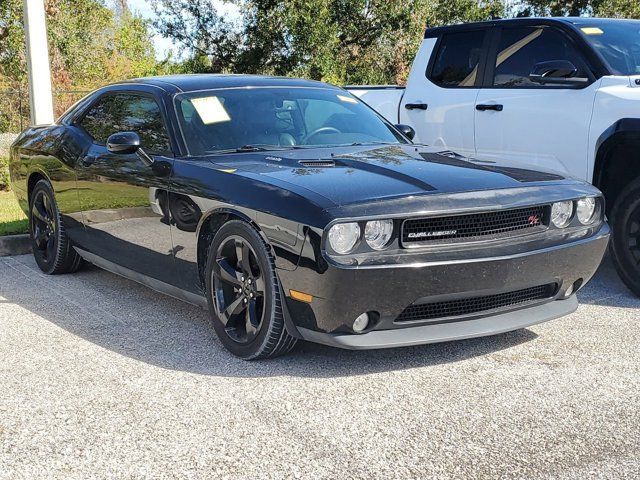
{"x":4,"y":172}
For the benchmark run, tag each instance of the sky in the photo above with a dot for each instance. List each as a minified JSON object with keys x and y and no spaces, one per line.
{"x":165,"y":45}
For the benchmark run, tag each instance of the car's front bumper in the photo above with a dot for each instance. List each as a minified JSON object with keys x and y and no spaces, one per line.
{"x":342,"y":294}
{"x":444,"y":332}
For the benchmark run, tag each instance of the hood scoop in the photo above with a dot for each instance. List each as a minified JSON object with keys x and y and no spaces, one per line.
{"x":320,"y":163}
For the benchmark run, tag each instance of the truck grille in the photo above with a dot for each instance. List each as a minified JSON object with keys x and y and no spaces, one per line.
{"x":428,"y":231}
{"x":468,"y":306}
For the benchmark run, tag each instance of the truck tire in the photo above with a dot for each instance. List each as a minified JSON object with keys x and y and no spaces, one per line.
{"x":625,"y":243}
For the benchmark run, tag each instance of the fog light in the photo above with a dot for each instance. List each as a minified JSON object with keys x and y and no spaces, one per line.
{"x":568,"y":292}
{"x":361,"y":323}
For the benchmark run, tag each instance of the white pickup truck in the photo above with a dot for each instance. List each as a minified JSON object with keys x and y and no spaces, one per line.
{"x":557,"y":94}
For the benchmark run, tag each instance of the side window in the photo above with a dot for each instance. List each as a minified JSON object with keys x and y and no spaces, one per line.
{"x":522,"y":48}
{"x":457,"y":60}
{"x":128,"y":113}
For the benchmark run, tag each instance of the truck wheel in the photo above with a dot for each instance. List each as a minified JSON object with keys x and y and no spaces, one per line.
{"x":51,"y":246}
{"x":243,"y":293}
{"x":625,"y":243}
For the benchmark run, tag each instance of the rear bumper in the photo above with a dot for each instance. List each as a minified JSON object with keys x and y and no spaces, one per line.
{"x":342,"y":294}
{"x":445,"y":332}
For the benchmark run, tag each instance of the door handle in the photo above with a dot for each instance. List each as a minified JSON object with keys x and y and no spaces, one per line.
{"x":88,"y":160}
{"x":416,"y":106}
{"x":496,"y":107}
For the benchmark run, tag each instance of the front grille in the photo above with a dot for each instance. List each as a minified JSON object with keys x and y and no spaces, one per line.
{"x":505,"y":223}
{"x":468,"y":306}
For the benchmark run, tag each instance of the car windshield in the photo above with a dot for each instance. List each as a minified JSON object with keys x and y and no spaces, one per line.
{"x":276,"y":118}
{"x":618,"y":41}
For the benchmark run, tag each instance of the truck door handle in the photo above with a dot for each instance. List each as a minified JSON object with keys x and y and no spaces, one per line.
{"x":416,"y":106}
{"x":494,"y":106}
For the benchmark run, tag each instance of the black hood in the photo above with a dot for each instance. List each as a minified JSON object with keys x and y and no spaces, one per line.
{"x":347,"y":175}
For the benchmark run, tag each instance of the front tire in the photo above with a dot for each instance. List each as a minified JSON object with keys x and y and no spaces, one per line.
{"x":49,"y":242}
{"x":244,"y":295}
{"x":625,"y":243}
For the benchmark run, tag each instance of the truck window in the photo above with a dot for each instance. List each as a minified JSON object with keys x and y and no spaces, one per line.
{"x":618,"y":41}
{"x":523,"y":47}
{"x":457,"y":60}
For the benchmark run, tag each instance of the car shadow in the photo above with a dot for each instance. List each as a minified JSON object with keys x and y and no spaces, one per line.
{"x":134,"y":321}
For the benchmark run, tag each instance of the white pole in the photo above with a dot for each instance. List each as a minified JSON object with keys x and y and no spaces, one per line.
{"x":40,"y":97}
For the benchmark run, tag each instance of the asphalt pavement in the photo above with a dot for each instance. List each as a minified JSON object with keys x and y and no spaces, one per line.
{"x":103,"y":378}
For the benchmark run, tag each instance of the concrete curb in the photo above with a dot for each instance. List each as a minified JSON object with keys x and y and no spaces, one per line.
{"x":14,"y":245}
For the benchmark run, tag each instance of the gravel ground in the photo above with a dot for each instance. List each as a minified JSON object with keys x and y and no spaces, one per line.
{"x":102,"y":378}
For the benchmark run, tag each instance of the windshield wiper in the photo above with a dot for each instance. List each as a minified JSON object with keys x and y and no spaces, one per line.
{"x":254,"y":148}
{"x":258,"y":147}
{"x":360,"y":144}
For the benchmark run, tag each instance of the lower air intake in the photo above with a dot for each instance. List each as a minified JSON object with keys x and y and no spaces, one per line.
{"x":469,"y":306}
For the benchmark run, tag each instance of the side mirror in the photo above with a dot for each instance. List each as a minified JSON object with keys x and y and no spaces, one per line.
{"x":406,"y":130}
{"x":123,"y":142}
{"x":128,"y":142}
{"x":556,"y":72}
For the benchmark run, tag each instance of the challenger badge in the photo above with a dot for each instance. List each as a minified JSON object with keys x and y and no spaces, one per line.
{"x":442,"y":233}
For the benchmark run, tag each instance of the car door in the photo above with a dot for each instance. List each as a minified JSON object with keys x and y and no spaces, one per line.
{"x":120,"y":194}
{"x":442,"y":88}
{"x":519,"y":121}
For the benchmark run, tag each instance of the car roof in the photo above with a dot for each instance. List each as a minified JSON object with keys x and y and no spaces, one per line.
{"x":206,"y":81}
{"x":435,"y":31}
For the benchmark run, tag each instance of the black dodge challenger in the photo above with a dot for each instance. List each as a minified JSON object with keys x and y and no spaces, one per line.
{"x":293,"y":211}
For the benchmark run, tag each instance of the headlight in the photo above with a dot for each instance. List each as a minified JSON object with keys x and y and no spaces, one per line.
{"x":377,"y":233}
{"x":343,"y":237}
{"x":561,"y":213}
{"x":586,"y":209}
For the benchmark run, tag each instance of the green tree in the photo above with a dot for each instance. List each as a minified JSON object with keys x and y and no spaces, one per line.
{"x":12,"y":56}
{"x":597,"y":8}
{"x":210,"y":41}
{"x":88,"y":44}
{"x":341,"y":41}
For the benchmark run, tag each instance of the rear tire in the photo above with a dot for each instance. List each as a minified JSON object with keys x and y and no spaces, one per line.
{"x":625,"y":243}
{"x":244,"y":295}
{"x":51,"y":247}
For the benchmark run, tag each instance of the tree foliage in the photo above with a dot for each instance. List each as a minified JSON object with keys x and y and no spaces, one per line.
{"x":341,"y":41}
{"x":88,"y":44}
{"x":598,"y":8}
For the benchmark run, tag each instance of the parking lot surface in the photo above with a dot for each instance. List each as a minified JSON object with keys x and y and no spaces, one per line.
{"x":103,"y":378}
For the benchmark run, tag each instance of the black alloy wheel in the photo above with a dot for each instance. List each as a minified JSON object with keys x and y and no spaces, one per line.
{"x":51,"y":247}
{"x":244,"y":294}
{"x":239,"y":289}
{"x":43,"y":226}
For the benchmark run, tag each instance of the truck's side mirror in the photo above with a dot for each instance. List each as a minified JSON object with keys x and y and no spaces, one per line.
{"x":406,"y":130}
{"x":556,"y":72}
